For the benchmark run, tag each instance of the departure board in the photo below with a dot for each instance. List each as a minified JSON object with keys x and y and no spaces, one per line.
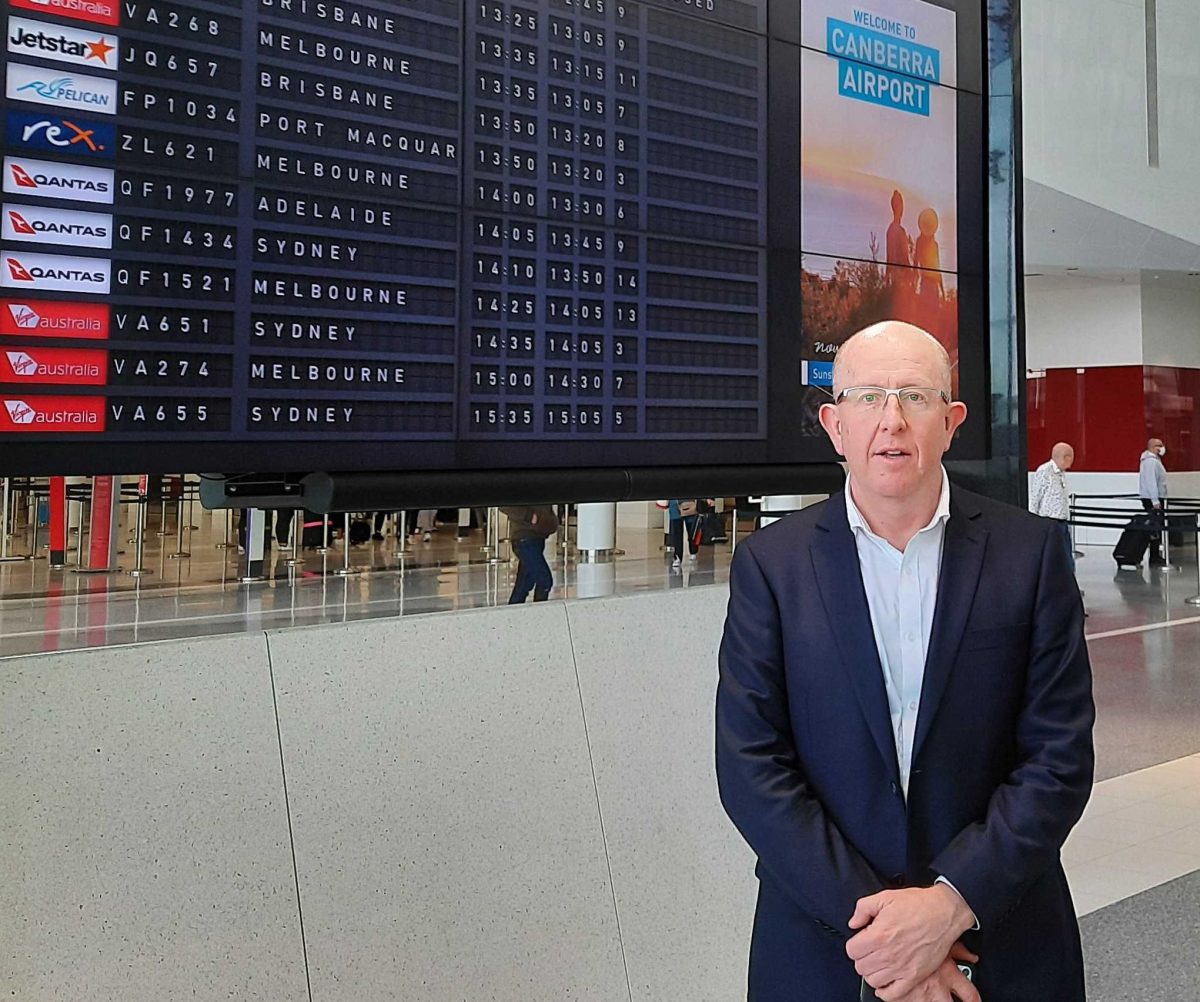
{"x":416,"y":232}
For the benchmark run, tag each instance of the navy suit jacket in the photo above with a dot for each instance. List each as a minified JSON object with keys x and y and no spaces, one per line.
{"x":1002,"y":761}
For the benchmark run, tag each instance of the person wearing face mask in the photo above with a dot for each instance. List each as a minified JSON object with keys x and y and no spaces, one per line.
{"x":1152,"y":489}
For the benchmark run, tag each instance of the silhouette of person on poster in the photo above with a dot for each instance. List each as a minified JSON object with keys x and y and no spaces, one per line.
{"x":897,"y":241}
{"x":929,"y":260}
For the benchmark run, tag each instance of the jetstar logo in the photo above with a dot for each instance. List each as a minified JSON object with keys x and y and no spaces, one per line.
{"x":31,"y":83}
{"x":35,"y":224}
{"x":52,"y":271}
{"x":38,"y":413}
{"x":74,"y":135}
{"x":46,"y":318}
{"x":43,"y":179}
{"x":62,"y":44}
{"x":95,"y":11}
{"x":56,"y":366}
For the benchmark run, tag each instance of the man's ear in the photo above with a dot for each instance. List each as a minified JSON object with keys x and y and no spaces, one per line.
{"x":956,"y":414}
{"x":832,"y":424}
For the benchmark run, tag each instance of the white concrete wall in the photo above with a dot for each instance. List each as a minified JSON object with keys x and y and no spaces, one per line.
{"x":1084,"y":107}
{"x":1082,"y":322}
{"x":1170,"y":325}
{"x":516,"y":805}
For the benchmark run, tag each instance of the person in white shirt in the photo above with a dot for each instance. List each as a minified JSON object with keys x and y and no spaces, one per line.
{"x":904,"y":715}
{"x":1048,"y":495}
{"x":1152,"y":489}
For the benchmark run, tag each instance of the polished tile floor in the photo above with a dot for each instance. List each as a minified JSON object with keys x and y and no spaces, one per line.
{"x":1141,"y":830}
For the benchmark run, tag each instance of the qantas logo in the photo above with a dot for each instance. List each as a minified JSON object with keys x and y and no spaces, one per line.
{"x":23,"y":274}
{"x":53,"y":271}
{"x":18,"y":271}
{"x":21,"y":177}
{"x":35,"y":224}
{"x":65,"y":45}
{"x":19,"y":224}
{"x":68,"y":181}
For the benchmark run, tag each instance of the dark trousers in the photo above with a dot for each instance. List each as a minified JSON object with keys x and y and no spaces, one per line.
{"x":678,"y":527}
{"x":1156,"y":529}
{"x":533,"y":573}
{"x":1066,"y":535}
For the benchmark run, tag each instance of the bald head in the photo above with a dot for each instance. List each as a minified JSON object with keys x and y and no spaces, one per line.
{"x":920,"y":349}
{"x":1063,"y":456}
{"x":1154,"y":443}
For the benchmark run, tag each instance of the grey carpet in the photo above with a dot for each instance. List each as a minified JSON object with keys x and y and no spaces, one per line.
{"x":1147,"y":947}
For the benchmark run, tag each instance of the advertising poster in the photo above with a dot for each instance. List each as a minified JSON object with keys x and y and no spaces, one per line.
{"x":879,"y":207}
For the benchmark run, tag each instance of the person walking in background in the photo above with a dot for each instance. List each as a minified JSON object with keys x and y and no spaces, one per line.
{"x":1048,"y":495}
{"x":683,"y":523}
{"x":1152,"y":489}
{"x":528,"y":529}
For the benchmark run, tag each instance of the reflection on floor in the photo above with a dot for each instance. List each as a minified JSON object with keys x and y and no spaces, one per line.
{"x":200,"y":594}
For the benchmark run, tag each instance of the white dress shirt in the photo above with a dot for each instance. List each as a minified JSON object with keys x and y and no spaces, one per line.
{"x":902,"y":594}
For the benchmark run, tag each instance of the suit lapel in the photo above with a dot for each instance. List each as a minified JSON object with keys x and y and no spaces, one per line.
{"x":963,"y":549}
{"x":839,"y":580}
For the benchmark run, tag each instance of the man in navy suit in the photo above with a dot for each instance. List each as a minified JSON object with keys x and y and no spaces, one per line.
{"x":904,"y":716}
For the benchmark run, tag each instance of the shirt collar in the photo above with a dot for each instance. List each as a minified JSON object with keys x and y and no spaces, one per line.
{"x":940,"y":514}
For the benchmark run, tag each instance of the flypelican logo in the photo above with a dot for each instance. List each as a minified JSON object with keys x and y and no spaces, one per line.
{"x":62,"y":44}
{"x":73,"y":182}
{"x":31,"y":83}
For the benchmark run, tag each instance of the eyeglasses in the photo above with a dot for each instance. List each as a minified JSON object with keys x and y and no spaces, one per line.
{"x":912,"y":399}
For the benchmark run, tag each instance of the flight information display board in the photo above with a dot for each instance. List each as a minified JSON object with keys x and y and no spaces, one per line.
{"x":290,"y":234}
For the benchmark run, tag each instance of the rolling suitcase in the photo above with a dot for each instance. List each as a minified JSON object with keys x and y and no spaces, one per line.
{"x":1131,"y":547}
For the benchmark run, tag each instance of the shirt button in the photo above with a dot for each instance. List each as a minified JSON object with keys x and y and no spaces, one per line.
{"x":913,"y":706}
{"x":910,"y":637}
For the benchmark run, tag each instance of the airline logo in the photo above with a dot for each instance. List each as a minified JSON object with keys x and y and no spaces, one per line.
{"x":54,"y":366}
{"x":73,"y":90}
{"x":69,"y":181}
{"x":42,"y":414}
{"x":62,"y":134}
{"x":62,"y":44}
{"x":38,"y":225}
{"x":46,"y":318}
{"x":36,"y":272}
{"x":95,"y":11}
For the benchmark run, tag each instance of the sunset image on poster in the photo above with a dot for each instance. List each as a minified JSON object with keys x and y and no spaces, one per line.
{"x":878,"y":187}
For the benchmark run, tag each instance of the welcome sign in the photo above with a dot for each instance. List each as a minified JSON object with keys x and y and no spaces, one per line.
{"x":889,"y":69}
